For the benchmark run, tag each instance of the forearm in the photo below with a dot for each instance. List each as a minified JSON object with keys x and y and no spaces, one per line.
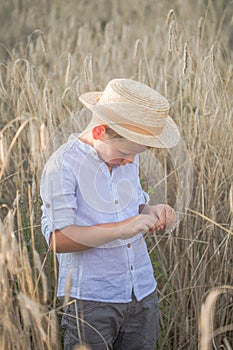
{"x":60,"y":243}
{"x":75,"y":238}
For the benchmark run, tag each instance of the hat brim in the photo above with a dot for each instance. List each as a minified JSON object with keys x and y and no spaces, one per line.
{"x":169,"y":137}
{"x":90,"y":99}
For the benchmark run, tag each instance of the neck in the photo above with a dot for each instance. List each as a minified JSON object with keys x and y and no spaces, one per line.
{"x":86,"y":138}
{"x":109,"y":168}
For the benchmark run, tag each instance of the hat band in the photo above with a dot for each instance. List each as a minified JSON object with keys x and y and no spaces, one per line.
{"x":139,"y":130}
{"x":112,"y":117}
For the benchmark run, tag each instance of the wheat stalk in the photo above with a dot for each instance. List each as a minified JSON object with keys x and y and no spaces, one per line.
{"x":206,"y":319}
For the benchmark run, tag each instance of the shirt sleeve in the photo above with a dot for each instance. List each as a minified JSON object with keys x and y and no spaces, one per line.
{"x":143,"y":197}
{"x":58,"y":194}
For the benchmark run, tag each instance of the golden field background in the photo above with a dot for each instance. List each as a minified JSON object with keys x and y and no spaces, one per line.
{"x":50,"y":53}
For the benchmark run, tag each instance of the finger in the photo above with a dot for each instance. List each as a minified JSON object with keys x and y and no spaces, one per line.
{"x":171,"y":224}
{"x":146,"y":228}
{"x":154,"y":227}
{"x":162,"y":218}
{"x":151,"y":220}
{"x":172,"y":216}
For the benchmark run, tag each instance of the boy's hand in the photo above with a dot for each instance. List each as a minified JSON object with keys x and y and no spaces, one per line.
{"x":165,"y":217}
{"x":130,"y":227}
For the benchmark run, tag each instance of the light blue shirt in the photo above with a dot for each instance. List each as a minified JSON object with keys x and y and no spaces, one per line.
{"x":77,"y":188}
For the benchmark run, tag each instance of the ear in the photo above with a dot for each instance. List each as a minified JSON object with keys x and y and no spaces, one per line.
{"x":98,"y":131}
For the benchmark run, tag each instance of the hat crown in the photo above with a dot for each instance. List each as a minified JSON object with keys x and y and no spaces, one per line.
{"x":132,"y":92}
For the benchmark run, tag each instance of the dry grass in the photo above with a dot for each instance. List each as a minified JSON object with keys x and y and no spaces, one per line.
{"x":207,"y":332}
{"x":57,"y":50}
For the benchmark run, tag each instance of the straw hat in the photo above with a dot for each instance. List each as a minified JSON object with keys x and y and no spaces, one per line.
{"x":135,"y":111}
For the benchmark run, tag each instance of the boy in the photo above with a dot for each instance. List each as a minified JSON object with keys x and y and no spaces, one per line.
{"x":95,"y":214}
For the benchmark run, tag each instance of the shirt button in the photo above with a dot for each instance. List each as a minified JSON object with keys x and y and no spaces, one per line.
{"x":47,"y":205}
{"x":131,"y":267}
{"x":128,"y":245}
{"x":116,"y":201}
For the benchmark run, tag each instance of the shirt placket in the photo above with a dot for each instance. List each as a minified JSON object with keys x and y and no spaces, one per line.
{"x":120,"y":217}
{"x":115,"y":197}
{"x":130,"y":253}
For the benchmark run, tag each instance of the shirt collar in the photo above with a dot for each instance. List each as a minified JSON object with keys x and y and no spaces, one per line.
{"x":85,"y":147}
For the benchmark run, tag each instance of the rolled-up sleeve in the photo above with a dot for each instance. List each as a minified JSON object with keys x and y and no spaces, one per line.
{"x":58,"y":195}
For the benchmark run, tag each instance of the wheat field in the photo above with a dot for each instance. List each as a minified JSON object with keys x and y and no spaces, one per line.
{"x":50,"y":53}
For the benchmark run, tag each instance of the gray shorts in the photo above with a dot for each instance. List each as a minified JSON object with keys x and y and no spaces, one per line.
{"x":112,"y":326}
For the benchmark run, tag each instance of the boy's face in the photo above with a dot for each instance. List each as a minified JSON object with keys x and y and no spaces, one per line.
{"x":116,"y":152}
